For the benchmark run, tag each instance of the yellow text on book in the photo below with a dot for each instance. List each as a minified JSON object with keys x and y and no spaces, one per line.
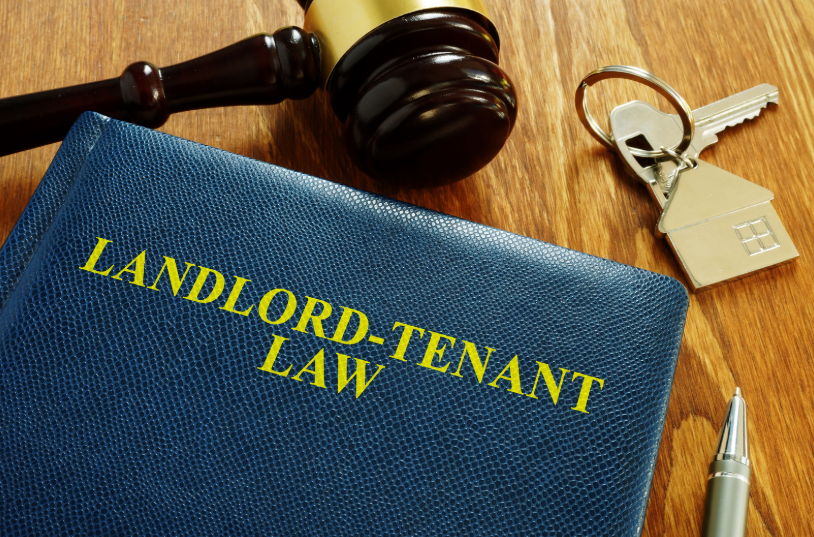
{"x":318,"y":318}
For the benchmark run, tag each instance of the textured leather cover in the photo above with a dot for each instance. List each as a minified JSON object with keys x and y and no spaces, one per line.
{"x":131,"y":411}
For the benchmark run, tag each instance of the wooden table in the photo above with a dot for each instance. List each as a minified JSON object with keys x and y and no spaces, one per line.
{"x":552,"y":182}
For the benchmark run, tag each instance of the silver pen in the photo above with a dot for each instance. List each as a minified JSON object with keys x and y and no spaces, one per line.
{"x":729,"y":476}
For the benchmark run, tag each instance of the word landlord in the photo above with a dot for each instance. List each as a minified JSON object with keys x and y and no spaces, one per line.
{"x":316,"y":367}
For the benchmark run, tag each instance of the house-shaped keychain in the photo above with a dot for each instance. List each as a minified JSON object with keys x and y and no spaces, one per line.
{"x":722,"y":227}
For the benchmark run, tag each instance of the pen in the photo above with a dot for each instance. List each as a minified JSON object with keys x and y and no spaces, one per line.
{"x":729,"y":476}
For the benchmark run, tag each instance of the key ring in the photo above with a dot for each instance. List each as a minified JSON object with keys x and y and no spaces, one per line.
{"x":686,"y":162}
{"x":652,"y":81}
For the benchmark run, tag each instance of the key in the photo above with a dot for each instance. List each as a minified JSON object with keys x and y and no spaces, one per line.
{"x":721,"y":226}
{"x":728,"y":112}
{"x":641,"y":125}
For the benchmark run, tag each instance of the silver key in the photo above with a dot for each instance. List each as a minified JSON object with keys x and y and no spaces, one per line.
{"x":728,"y":112}
{"x":721,"y":226}
{"x":641,"y":124}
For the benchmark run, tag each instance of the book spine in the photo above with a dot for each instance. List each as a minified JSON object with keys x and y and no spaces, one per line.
{"x":44,"y":205}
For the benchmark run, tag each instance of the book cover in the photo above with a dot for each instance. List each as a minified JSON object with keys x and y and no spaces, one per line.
{"x":197,"y":343}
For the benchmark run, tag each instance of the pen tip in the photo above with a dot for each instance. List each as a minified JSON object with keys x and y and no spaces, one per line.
{"x":732,"y":439}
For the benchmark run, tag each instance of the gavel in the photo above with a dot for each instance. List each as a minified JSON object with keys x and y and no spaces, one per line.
{"x":416,"y":84}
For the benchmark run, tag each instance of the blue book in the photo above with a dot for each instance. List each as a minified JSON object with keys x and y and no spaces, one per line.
{"x":197,"y":343}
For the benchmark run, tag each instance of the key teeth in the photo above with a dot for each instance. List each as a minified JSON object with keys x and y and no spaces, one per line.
{"x":720,"y":128}
{"x":745,"y":118}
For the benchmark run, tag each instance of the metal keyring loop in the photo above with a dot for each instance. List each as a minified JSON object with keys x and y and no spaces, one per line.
{"x":686,"y":162}
{"x":637,"y":75}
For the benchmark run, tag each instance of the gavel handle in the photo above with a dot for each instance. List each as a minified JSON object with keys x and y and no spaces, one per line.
{"x":263,"y":69}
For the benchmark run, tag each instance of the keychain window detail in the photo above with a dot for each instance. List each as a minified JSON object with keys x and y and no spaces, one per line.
{"x":756,"y":236}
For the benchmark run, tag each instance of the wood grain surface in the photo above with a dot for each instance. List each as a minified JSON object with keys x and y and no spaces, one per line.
{"x":552,"y":182}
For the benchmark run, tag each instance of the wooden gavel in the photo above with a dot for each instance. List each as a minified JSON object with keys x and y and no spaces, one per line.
{"x":415,"y":82}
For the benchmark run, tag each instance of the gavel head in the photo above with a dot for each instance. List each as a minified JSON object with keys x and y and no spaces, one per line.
{"x":417,"y":86}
